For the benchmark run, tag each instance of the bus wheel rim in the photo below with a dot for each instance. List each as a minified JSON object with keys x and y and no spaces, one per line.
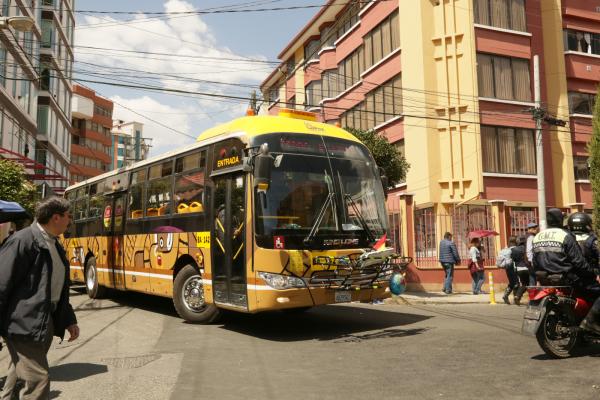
{"x":193,"y":294}
{"x":91,"y":277}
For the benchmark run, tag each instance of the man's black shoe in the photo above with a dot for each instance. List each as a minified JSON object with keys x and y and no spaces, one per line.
{"x":590,"y":326}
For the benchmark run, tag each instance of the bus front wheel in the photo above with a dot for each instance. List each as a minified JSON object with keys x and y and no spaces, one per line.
{"x":93,"y":288}
{"x":188,"y":297}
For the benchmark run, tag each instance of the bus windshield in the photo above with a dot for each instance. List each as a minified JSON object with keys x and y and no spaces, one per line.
{"x":329,"y":186}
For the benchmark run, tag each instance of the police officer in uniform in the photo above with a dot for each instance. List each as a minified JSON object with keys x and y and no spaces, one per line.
{"x":580,"y":225}
{"x":556,"y":251}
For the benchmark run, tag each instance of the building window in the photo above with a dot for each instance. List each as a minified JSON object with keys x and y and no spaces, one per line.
{"x":382,"y":40}
{"x":331,"y":83}
{"x":47,"y":33}
{"x":2,"y":65}
{"x":582,"y":168}
{"x":506,"y":14}
{"x":508,"y":150}
{"x":273,"y":95}
{"x":402,"y":150}
{"x":379,"y":106}
{"x":290,"y":65}
{"x":311,"y":49}
{"x":581,"y":103}
{"x":583,"y":42}
{"x":313,"y":94}
{"x":350,"y":69}
{"x":503,"y":78}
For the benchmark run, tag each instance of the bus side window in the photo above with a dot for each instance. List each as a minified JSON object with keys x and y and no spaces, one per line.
{"x":80,"y":209}
{"x":189,"y":183}
{"x":136,"y":201}
{"x":158,"y":201}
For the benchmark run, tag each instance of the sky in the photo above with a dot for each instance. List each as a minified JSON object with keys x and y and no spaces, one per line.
{"x":232,"y":51}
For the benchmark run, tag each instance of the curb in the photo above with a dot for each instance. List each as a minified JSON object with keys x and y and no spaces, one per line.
{"x":401,"y":300}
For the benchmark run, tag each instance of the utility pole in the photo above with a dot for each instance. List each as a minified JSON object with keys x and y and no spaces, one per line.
{"x":538,"y":115}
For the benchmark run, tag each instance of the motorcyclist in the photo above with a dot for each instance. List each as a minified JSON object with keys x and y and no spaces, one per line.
{"x":556,"y":251}
{"x":580,"y":225}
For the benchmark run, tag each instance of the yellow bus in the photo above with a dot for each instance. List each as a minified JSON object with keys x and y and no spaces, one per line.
{"x":261,"y":213}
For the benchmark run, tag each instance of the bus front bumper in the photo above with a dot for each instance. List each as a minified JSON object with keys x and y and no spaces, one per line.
{"x":273,"y":299}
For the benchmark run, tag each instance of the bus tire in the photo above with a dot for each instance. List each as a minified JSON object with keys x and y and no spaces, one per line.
{"x":92,"y":287}
{"x":188,"y":297}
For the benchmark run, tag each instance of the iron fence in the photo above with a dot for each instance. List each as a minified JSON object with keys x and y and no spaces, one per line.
{"x":460,"y":221}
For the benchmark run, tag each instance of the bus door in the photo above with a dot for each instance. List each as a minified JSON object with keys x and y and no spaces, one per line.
{"x":114,"y":222}
{"x":227,"y":241}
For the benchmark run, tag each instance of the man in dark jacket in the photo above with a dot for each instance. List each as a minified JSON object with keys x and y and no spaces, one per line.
{"x":34,"y":298}
{"x":448,"y":257}
{"x":556,"y":251}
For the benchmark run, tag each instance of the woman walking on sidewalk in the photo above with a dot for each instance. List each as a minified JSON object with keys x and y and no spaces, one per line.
{"x":476,"y":266}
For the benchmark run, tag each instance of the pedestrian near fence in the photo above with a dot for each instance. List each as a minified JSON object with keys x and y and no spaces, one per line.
{"x":448,"y":257}
{"x":506,"y":261}
{"x":522,"y":268}
{"x":34,"y":298}
{"x":476,"y":266}
{"x":532,"y":230}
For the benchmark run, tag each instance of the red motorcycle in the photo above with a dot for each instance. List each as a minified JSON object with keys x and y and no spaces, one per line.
{"x":553,"y":317}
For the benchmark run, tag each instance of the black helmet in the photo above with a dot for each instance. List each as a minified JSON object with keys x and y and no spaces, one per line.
{"x":580,"y":222}
{"x":554,"y":218}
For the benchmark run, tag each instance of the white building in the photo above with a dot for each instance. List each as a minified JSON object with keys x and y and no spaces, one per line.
{"x":128,"y":143}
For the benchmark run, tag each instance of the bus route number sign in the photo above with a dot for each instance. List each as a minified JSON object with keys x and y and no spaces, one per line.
{"x":202,"y":240}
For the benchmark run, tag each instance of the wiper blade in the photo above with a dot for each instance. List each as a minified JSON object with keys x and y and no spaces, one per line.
{"x":315,"y":227}
{"x":360,"y":217}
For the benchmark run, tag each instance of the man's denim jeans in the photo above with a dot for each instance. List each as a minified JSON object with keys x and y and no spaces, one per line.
{"x":449,"y":271}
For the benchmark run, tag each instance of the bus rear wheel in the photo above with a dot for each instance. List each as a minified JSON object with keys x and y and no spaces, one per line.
{"x":189,"y":300}
{"x":92,"y":287}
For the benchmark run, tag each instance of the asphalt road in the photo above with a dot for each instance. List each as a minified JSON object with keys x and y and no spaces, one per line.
{"x":135,"y":347}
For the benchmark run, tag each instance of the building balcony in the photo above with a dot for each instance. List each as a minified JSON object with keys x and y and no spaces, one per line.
{"x":582,"y":66}
{"x":82,"y":107}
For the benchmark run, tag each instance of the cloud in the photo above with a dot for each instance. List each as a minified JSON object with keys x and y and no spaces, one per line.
{"x":200,"y":60}
{"x":163,"y":138}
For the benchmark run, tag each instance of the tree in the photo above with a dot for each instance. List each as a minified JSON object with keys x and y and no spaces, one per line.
{"x":594,"y":162}
{"x":14,"y":185}
{"x":387,"y":156}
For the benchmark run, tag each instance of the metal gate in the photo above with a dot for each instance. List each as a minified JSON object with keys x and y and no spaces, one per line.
{"x":430,"y":228}
{"x":519,"y":218}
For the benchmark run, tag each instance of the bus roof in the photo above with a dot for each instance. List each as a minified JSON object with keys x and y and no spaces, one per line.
{"x":245,"y":127}
{"x":262,"y":124}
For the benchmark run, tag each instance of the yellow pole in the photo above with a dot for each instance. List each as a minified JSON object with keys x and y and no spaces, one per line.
{"x":492,"y":294}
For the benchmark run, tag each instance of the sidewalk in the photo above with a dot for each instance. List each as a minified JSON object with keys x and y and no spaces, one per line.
{"x":440,"y":298}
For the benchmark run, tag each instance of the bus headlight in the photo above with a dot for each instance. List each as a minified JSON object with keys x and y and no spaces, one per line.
{"x":277,"y":281}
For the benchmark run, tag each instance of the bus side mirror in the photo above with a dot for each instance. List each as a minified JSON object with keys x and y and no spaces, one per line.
{"x":262,"y":168}
{"x":384,"y":180}
{"x":385,"y":183}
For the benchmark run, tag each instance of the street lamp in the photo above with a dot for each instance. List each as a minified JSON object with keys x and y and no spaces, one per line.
{"x":19,"y":23}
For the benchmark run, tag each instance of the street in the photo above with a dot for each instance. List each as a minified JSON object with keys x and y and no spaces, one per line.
{"x":135,"y":347}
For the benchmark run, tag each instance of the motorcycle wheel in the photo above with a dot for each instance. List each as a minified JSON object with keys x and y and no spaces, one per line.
{"x":558,"y":334}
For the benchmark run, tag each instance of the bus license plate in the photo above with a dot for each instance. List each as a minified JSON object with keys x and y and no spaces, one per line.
{"x":342,"y":296}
